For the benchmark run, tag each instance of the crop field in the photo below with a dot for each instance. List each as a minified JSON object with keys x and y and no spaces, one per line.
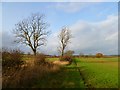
{"x":94,"y":73}
{"x":99,"y":72}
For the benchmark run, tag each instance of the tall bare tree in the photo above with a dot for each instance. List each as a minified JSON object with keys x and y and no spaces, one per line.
{"x":32,"y":31}
{"x":64,"y":38}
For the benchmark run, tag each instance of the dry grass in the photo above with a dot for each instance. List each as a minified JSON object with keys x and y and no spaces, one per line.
{"x":61,"y":62}
{"x":11,"y":59}
{"x":28,"y":74}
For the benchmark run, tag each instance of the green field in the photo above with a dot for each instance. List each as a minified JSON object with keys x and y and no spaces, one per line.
{"x":99,"y":72}
{"x":96,"y":72}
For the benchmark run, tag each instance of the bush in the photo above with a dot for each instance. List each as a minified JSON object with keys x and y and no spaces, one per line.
{"x":28,"y":76}
{"x":99,"y":55}
{"x":66,"y":58}
{"x":11,"y":59}
{"x":40,"y":59}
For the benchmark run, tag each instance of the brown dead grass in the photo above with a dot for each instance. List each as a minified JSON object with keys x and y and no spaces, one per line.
{"x":27,"y":75}
{"x":61,"y":62}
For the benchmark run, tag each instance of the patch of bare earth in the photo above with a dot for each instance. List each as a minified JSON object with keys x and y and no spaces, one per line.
{"x":61,"y":62}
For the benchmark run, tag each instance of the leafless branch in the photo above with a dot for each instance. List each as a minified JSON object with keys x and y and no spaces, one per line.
{"x":32,"y":31}
{"x":64,"y":38}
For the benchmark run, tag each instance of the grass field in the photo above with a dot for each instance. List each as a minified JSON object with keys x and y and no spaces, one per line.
{"x":97,"y":73}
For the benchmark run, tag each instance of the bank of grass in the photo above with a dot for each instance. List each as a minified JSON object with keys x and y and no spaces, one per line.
{"x":99,"y":72}
{"x":67,"y":77}
{"x":52,"y":59}
{"x":27,"y":57}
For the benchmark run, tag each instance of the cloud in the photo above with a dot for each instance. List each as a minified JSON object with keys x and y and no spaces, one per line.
{"x":8,"y":42}
{"x":89,"y":37}
{"x":52,"y":44}
{"x":92,"y":37}
{"x":71,"y":7}
{"x":112,"y":37}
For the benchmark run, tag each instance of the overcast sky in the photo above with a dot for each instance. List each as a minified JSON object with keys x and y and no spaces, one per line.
{"x":94,"y":25}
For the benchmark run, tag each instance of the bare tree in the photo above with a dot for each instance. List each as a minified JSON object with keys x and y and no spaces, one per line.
{"x":64,"y":38}
{"x":32,"y":31}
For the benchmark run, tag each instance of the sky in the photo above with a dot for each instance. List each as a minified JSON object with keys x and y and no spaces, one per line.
{"x":60,"y":0}
{"x":94,"y":25}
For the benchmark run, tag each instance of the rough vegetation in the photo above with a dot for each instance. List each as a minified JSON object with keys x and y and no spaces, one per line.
{"x":11,"y":59}
{"x":27,"y":74}
{"x":66,"y":58}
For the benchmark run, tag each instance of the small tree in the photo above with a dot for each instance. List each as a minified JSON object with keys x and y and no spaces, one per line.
{"x":32,"y":31}
{"x":64,"y":38}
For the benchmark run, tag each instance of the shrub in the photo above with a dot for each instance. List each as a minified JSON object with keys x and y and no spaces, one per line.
{"x":66,"y":58}
{"x":99,"y":55}
{"x":11,"y":59}
{"x":40,"y":59}
{"x":24,"y":76}
{"x":28,"y":76}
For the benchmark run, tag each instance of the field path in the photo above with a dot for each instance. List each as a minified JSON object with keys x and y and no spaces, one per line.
{"x":75,"y":68}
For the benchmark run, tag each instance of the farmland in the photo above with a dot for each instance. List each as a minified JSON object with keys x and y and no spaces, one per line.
{"x":94,"y":73}
{"x":99,"y":72}
{"x":83,"y":72}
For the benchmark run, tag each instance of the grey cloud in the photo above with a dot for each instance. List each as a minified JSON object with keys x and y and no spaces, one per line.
{"x":52,"y":44}
{"x":8,"y":42}
{"x":96,"y":37}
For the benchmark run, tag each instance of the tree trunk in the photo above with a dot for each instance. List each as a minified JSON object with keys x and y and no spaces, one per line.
{"x":34,"y":51}
{"x":62,"y":52}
